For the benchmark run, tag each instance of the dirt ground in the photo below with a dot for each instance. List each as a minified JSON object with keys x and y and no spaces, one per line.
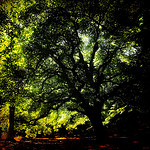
{"x":115,"y":143}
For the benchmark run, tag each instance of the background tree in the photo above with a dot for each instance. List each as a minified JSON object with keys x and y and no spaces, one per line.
{"x":12,"y":70}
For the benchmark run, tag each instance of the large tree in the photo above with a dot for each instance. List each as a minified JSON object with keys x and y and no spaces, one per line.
{"x":74,"y":60}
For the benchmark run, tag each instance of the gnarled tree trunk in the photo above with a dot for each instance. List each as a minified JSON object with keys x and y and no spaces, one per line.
{"x":99,"y":129}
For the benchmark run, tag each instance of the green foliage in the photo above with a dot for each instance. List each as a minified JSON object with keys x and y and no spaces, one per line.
{"x":12,"y":62}
{"x":4,"y":117}
{"x":79,"y":60}
{"x":114,"y":112}
{"x":44,"y":126}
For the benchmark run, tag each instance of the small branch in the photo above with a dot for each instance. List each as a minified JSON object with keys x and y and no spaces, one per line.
{"x":76,"y":109}
{"x":95,"y":48}
{"x":48,"y":77}
{"x":110,"y":79}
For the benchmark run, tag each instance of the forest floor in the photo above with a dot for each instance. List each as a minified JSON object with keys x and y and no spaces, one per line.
{"x":129,"y":137}
{"x":89,"y":143}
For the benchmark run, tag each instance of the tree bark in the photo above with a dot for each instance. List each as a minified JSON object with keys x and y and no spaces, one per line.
{"x":99,"y":129}
{"x":11,"y":123}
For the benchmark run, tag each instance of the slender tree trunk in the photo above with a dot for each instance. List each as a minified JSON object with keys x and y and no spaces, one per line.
{"x":11,"y":123}
{"x":99,"y":129}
